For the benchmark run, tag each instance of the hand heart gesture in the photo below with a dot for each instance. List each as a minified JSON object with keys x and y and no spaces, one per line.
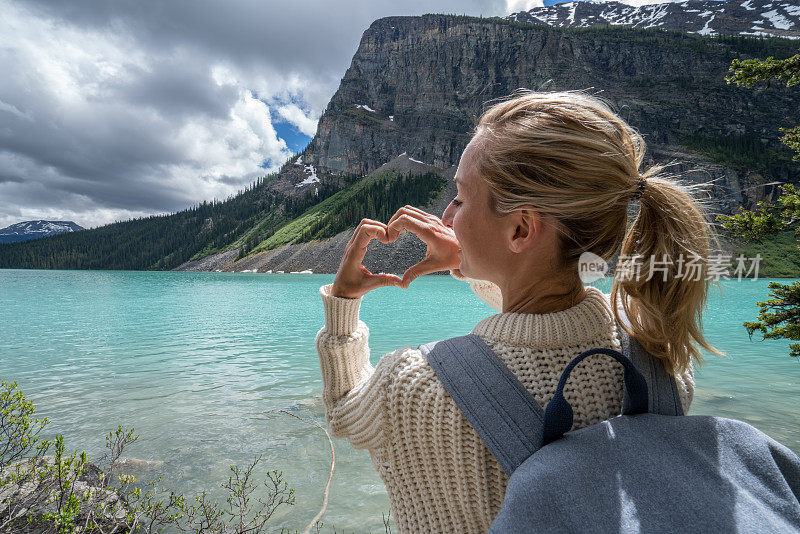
{"x":443,"y":247}
{"x":353,"y":280}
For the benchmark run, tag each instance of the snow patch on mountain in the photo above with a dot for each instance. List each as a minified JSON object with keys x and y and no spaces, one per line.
{"x":312,"y":178}
{"x":779,"y":18}
{"x":26,"y":230}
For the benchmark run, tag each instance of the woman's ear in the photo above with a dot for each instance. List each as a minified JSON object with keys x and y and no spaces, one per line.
{"x":525,"y":227}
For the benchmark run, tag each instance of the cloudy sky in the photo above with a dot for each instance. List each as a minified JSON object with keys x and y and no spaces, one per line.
{"x":113,"y":110}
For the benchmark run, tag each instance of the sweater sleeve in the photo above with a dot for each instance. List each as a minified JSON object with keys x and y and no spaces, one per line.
{"x":354,"y":393}
{"x":487,"y":291}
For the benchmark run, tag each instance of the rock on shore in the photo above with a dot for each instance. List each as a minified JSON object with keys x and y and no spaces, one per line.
{"x":28,"y":499}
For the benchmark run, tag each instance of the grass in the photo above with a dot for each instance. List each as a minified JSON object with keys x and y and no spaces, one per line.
{"x":375,"y":196}
{"x":780,"y":257}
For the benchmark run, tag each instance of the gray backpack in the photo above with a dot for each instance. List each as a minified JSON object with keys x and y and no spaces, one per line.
{"x":651,"y":469}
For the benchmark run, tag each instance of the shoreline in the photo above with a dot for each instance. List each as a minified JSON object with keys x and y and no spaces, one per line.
{"x":304,"y":272}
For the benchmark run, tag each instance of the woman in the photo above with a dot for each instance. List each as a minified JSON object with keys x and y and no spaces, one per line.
{"x":546,"y":177}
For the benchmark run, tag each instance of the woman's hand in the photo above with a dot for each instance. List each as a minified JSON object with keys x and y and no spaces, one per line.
{"x":353,"y":280}
{"x":442,"y":251}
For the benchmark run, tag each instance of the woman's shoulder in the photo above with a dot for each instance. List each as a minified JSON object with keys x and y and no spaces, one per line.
{"x":610,"y":303}
{"x":408,"y":368}
{"x":403,"y":360}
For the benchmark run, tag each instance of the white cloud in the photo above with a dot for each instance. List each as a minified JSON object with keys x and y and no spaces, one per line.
{"x":13,"y":110}
{"x":103,"y":124}
{"x":515,"y":6}
{"x":88,"y":218}
{"x":297,"y":117}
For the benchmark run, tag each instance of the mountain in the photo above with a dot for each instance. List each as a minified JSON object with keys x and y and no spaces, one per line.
{"x":418,"y":84}
{"x":27,"y":230}
{"x":405,"y":109}
{"x":777,"y":18}
{"x":315,"y":239}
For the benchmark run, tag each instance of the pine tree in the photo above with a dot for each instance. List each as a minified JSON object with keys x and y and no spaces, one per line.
{"x":749,"y":72}
{"x":779,"y":317}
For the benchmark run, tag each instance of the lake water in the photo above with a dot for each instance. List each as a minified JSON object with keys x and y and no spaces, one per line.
{"x":196,"y":361}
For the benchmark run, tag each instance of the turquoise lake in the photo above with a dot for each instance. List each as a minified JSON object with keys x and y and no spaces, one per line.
{"x":196,"y":361}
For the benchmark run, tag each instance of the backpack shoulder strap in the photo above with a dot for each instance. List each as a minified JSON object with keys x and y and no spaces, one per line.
{"x":662,"y":391}
{"x":505,"y":415}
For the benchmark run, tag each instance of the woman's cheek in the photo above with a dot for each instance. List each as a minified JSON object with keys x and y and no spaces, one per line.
{"x":457,"y":227}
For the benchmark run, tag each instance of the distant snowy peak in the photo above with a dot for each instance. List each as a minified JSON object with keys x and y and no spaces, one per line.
{"x":27,"y":230}
{"x":779,"y":18}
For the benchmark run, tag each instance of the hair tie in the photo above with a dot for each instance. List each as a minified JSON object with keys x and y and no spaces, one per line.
{"x":641,"y":185}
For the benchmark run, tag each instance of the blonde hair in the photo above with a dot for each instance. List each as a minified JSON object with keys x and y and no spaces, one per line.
{"x":567,"y":155}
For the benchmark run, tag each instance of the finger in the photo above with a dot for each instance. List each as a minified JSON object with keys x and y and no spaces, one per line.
{"x":408,"y":211}
{"x":364,"y":221}
{"x":372,"y":222}
{"x":420,"y":228}
{"x":413,"y":212}
{"x":379,"y":280}
{"x":421,"y":213}
{"x":426,"y":266}
{"x":365,"y":233}
{"x":382,"y":280}
{"x":357,"y":248}
{"x":397,"y":214}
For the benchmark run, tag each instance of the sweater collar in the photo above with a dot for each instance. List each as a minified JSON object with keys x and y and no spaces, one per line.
{"x":587,"y":321}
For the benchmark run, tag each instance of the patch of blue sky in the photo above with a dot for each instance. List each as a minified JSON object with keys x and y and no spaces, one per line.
{"x":294,"y":138}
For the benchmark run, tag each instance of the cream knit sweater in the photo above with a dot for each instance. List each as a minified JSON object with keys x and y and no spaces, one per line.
{"x":439,"y":475}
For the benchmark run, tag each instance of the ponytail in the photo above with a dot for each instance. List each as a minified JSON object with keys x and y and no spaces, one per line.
{"x":661,"y":278}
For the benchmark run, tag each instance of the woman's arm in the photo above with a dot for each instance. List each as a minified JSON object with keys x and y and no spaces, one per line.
{"x":355,"y":394}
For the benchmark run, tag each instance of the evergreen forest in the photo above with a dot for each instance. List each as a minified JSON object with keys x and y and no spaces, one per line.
{"x":257,"y":218}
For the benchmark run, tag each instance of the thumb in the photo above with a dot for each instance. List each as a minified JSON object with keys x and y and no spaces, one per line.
{"x":381,"y":280}
{"x":417,"y":270}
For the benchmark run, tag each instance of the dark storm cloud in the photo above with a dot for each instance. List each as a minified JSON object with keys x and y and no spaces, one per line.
{"x":119,"y":108}
{"x":5,"y":178}
{"x":310,"y":35}
{"x":177,"y":87}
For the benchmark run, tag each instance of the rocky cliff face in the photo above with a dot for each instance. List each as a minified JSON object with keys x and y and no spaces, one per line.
{"x":418,"y":84}
{"x":778,"y":18}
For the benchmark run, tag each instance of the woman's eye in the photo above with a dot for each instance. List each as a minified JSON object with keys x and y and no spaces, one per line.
{"x":456,"y":202}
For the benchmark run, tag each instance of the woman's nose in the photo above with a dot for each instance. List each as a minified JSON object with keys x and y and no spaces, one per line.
{"x":447,"y":216}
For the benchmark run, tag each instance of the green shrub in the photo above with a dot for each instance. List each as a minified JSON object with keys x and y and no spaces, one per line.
{"x":65,"y":494}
